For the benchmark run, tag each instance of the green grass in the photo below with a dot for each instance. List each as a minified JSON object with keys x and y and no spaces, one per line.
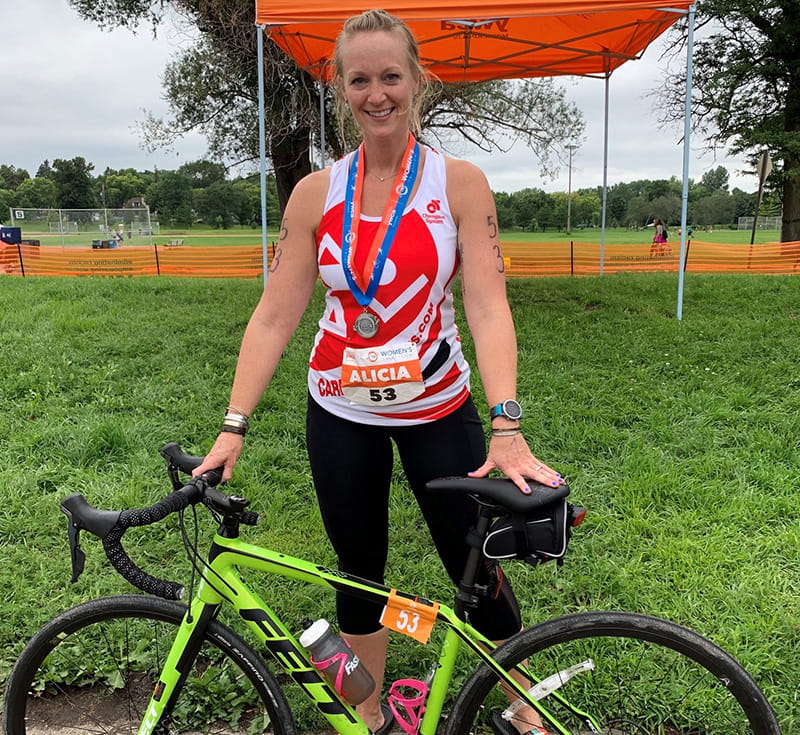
{"x":252,"y":236}
{"x":626,"y":236}
{"x":681,"y":439}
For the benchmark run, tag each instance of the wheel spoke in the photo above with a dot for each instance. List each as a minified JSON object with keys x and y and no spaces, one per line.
{"x":92,"y":671}
{"x":649,"y":677}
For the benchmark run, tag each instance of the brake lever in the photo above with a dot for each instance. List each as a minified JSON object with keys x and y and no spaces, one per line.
{"x":76,"y":553}
{"x":174,"y":476}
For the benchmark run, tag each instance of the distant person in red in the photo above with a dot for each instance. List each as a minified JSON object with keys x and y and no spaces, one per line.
{"x":660,"y":246}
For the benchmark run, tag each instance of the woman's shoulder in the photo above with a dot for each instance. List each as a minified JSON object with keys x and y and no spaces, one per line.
{"x":466,"y":183}
{"x":312,"y":187}
{"x":307,"y":200}
{"x":458,"y":167}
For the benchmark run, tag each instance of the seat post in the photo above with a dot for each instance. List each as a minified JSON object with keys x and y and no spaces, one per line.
{"x":468,"y":592}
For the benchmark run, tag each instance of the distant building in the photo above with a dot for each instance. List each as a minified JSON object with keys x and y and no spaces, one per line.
{"x":135,"y":203}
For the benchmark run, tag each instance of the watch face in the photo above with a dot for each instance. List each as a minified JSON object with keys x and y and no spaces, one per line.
{"x":512,"y":410}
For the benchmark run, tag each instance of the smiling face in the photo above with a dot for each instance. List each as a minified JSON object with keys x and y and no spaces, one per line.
{"x":377,"y":81}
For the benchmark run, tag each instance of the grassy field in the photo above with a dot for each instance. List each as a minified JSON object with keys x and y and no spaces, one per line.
{"x":250,"y":236}
{"x":681,"y":439}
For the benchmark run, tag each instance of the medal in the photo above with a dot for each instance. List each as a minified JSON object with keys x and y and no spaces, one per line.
{"x":363,"y":281}
{"x":366,"y":325}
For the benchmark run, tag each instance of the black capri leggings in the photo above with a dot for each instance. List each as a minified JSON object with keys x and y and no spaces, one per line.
{"x":351,"y":464}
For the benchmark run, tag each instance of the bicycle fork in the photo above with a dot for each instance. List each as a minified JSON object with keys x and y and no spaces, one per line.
{"x":177,"y":666}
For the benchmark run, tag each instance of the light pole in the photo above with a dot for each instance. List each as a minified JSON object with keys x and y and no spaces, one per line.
{"x":571,"y":148}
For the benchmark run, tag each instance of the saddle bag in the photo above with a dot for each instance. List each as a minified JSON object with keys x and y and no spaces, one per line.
{"x":536,"y":537}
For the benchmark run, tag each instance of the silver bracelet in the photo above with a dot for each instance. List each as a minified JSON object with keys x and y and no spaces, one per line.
{"x":506,"y":432}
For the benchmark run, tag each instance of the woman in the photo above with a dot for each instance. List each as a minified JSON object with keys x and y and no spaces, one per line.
{"x":659,"y":246}
{"x":387,"y":364}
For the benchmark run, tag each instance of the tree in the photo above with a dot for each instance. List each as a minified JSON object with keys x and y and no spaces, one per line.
{"x":11,"y":176}
{"x":746,"y":87}
{"x":6,"y":202}
{"x":666,"y":208}
{"x":494,"y":115}
{"x":120,"y":186}
{"x":45,"y":170}
{"x":586,"y":208}
{"x":212,"y":87}
{"x":640,"y":212}
{"x":715,"y":179}
{"x":718,"y":208}
{"x":533,"y":208}
{"x":203,"y":173}
{"x":505,"y":210}
{"x":38,"y":193}
{"x":74,"y":183}
{"x":744,"y":204}
{"x":616,"y":205}
{"x":171,"y":196}
{"x":249,"y":212}
{"x":218,"y":203}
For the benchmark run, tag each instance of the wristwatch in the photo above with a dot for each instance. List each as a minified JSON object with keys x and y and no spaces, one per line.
{"x":509,"y":409}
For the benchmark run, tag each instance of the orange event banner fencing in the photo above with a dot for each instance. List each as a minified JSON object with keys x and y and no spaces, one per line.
{"x":230,"y":261}
{"x":522,"y":259}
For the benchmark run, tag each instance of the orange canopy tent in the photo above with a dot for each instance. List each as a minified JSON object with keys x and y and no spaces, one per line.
{"x":462,"y":41}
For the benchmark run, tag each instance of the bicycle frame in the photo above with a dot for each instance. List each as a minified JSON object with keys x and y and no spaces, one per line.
{"x":222,"y":583}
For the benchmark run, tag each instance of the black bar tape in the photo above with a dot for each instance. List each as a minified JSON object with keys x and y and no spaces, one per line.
{"x":136,"y":576}
{"x":145,"y":516}
{"x":112,"y":543}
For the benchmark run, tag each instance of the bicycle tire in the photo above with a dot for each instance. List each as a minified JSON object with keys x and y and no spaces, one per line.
{"x":651,"y":677}
{"x":93,"y":668}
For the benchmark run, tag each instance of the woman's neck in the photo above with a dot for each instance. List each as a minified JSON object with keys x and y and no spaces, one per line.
{"x":384,"y":158}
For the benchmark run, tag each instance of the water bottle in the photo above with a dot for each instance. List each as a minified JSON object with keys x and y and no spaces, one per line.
{"x":332,"y":655}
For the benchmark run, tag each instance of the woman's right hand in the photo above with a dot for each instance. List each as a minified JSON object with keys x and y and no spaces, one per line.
{"x":224,"y":453}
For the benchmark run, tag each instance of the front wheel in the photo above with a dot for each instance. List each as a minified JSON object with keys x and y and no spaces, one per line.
{"x":93,"y":668}
{"x":622,"y":674}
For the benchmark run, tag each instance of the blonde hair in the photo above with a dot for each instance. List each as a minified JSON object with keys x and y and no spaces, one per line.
{"x":373,"y":21}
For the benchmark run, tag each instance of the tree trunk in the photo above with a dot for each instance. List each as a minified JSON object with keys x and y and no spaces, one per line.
{"x":291,"y":158}
{"x":790,"y":222}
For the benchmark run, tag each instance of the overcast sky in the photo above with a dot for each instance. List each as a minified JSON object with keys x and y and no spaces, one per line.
{"x":69,"y":89}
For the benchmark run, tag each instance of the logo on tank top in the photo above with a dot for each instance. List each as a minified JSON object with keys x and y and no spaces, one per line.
{"x":432,"y":214}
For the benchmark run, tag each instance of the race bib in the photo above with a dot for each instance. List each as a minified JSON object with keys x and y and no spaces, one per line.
{"x":372,"y":376}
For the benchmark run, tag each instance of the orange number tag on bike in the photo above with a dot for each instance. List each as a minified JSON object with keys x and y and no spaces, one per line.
{"x":410,"y":616}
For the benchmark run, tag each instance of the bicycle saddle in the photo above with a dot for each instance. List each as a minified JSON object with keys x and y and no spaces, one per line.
{"x":500,"y":492}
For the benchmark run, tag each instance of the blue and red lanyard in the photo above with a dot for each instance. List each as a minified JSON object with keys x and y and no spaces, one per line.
{"x":364,"y":284}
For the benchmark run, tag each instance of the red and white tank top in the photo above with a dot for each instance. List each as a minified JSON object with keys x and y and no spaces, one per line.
{"x":413,"y":302}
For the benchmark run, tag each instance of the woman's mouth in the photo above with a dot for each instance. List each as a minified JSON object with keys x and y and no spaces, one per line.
{"x":378,"y":114}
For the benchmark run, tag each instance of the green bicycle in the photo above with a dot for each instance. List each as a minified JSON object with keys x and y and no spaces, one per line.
{"x":148,"y":664}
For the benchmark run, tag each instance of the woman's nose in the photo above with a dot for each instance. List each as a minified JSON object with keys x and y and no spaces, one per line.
{"x":376,"y":93}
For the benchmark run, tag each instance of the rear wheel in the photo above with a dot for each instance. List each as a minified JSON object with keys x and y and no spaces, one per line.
{"x":646,"y":677}
{"x":93,"y":669}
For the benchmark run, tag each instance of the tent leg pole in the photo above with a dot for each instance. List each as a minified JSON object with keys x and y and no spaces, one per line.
{"x":262,"y":151}
{"x":605,"y":176}
{"x":322,"y":143}
{"x":687,"y":128}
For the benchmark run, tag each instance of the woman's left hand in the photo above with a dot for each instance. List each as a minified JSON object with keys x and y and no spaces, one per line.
{"x":511,"y":455}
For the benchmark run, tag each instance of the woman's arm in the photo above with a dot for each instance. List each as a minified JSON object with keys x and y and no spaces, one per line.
{"x":489,"y":318}
{"x":290,"y":283}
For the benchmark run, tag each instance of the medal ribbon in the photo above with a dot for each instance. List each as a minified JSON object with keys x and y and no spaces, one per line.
{"x":363,"y":285}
